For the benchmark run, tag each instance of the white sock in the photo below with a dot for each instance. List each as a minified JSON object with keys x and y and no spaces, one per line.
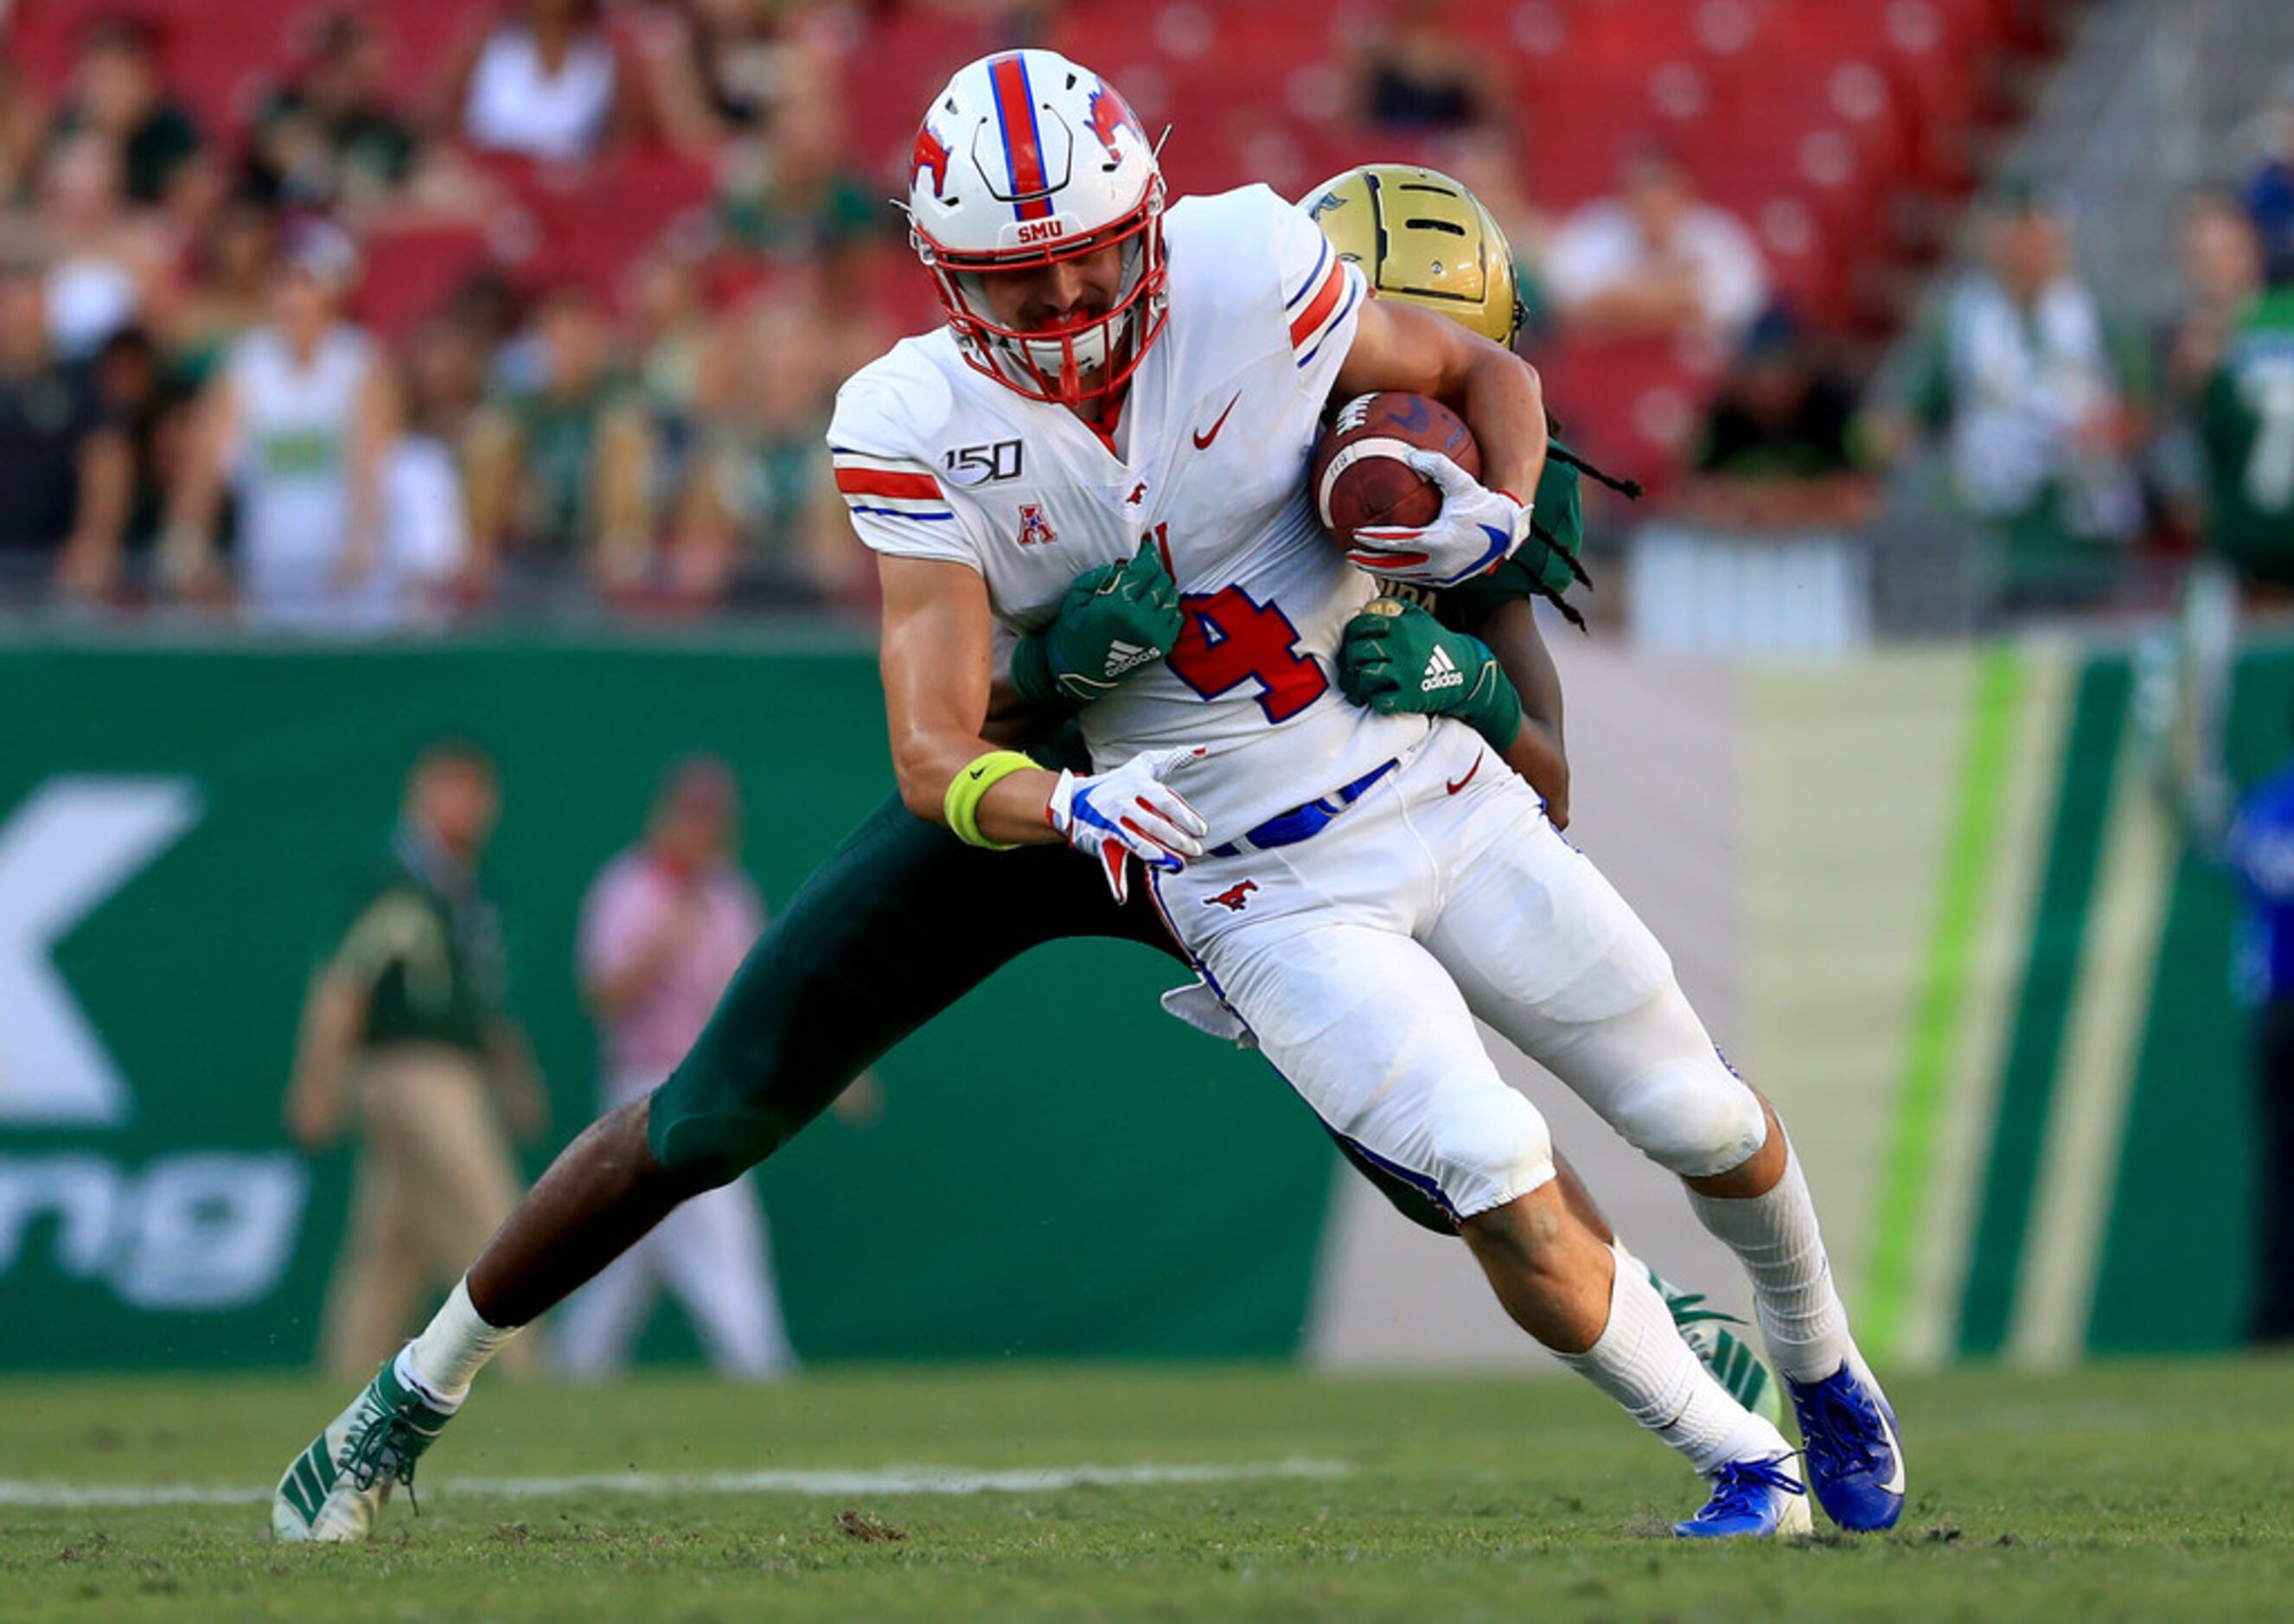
{"x":1775,"y":1237}
{"x":452,"y":1350}
{"x":1641,"y":1362}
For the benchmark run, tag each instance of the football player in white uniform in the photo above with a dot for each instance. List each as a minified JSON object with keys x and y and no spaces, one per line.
{"x":1353,"y":885}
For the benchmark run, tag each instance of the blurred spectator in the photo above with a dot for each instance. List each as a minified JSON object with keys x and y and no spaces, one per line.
{"x":488,"y":308}
{"x":561,"y":472}
{"x":1412,"y":76}
{"x":672,"y":331}
{"x":759,"y":519}
{"x":298,"y":422}
{"x":2039,"y":399}
{"x":425,"y":524}
{"x":64,"y":469}
{"x":1486,"y":162}
{"x":1779,"y":445}
{"x":1654,"y":261}
{"x":795,"y":197}
{"x":145,"y":405}
{"x":544,"y":82}
{"x":2222,"y":270}
{"x":406,"y":1031}
{"x":663,"y":927}
{"x":234,"y":270}
{"x":118,"y":95}
{"x":2269,"y":191}
{"x":721,"y":68}
{"x":445,"y":378}
{"x":2246,"y":431}
{"x":109,"y":265}
{"x":23,"y":127}
{"x":330,"y":139}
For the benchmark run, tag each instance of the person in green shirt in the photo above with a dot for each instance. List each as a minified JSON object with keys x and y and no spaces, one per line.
{"x":563,"y":470}
{"x":329,"y":138}
{"x":2037,"y":400}
{"x":119,"y":93}
{"x":2246,"y":425}
{"x":406,"y":1032}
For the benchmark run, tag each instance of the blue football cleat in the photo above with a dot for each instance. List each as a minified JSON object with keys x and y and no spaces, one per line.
{"x":1855,"y":1461}
{"x":1752,"y":1500}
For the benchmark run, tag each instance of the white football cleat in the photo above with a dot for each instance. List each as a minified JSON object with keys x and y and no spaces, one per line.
{"x":336,"y":1488}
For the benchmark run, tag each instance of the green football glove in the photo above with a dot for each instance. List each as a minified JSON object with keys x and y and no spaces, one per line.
{"x":1410,"y":662}
{"x":1113,"y":620}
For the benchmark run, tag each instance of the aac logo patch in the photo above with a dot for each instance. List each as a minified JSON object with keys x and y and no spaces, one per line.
{"x":1235,"y":898}
{"x":1035,"y":529}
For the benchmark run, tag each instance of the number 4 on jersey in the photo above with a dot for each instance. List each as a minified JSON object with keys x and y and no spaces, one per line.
{"x":1231,"y":637}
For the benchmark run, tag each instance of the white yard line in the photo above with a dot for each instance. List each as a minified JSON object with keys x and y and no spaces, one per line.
{"x":881,"y":1479}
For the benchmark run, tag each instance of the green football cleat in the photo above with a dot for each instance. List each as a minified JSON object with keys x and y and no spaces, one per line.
{"x":1726,"y":1354}
{"x":336,"y":1487}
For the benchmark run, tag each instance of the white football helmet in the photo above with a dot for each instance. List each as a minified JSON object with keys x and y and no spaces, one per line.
{"x":1027,"y":160}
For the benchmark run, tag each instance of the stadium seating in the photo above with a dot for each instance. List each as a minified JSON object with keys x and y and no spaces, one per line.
{"x":1809,"y":118}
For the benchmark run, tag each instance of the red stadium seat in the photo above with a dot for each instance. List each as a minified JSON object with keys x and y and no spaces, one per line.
{"x":411,"y":271}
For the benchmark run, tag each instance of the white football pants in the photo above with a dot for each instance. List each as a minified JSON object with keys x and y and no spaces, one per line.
{"x":1358,"y":960}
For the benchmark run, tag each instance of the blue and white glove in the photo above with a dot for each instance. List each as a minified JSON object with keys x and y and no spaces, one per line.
{"x":1130,"y":812}
{"x":1476,"y":530}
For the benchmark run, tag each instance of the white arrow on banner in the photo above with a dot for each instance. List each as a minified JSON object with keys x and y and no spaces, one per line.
{"x":73,"y":844}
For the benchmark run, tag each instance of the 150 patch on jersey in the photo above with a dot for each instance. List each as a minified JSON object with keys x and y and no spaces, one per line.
{"x":989,"y":464}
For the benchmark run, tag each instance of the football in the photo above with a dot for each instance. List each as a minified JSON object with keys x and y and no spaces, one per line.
{"x":1360,"y":477}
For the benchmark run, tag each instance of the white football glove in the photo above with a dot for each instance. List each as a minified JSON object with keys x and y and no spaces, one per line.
{"x":1129,"y":812}
{"x":1476,"y":528}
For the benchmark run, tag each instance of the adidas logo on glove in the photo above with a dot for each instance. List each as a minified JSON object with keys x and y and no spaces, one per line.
{"x":1122,"y":657}
{"x":1442,"y":671}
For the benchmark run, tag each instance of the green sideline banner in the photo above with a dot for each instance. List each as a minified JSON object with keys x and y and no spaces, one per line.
{"x":1059,"y":1170}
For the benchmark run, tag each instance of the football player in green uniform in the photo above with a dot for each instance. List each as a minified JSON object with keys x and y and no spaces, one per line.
{"x":903,"y":919}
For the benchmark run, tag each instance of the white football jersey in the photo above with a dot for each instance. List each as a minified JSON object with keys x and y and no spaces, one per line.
{"x":1208,"y":460}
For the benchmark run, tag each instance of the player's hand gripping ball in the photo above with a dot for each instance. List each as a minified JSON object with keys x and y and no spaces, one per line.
{"x":1396,"y":482}
{"x":1112,"y":620}
{"x":1130,"y":812}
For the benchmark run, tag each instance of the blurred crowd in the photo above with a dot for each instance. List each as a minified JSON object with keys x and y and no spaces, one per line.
{"x":215,"y":396}
{"x":196,"y":413}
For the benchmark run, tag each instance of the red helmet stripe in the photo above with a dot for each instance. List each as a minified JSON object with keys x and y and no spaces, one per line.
{"x":1023,"y":148}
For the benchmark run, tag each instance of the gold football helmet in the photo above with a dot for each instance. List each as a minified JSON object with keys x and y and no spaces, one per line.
{"x":1422,"y":238}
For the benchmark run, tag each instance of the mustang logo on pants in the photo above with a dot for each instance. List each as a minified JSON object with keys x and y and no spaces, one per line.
{"x":1235,"y":897}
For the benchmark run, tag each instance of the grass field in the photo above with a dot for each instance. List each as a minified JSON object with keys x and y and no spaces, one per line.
{"x":2123,"y":1491}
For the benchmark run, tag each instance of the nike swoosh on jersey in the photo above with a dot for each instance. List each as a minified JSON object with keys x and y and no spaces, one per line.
{"x":1461,"y":783}
{"x":1203,"y":441}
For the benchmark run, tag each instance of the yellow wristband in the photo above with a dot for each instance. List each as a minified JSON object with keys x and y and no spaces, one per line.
{"x":961,"y":805}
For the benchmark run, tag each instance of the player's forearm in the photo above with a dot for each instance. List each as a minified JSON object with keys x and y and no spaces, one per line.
{"x":1536,"y":755}
{"x":1538,"y":751}
{"x":928,"y":763}
{"x":1504,"y":403}
{"x":938,"y":661}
